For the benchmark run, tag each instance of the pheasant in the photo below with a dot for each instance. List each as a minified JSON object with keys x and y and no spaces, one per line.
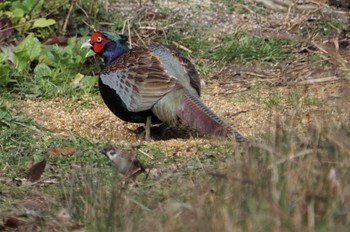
{"x":153,"y":84}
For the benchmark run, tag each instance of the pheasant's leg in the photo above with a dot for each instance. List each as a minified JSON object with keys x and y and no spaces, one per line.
{"x":148,"y":128}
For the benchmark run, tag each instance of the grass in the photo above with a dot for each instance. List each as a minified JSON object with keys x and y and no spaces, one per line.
{"x":244,"y":47}
{"x":261,"y":190}
{"x":282,"y":180}
{"x":330,"y":27}
{"x":292,"y":177}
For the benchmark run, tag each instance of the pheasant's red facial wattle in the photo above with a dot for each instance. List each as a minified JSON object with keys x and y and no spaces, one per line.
{"x":98,"y":41}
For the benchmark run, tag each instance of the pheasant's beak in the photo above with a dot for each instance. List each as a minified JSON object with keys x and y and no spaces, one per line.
{"x":86,"y":45}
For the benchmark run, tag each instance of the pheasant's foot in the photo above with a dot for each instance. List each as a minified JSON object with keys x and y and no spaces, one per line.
{"x":148,"y":128}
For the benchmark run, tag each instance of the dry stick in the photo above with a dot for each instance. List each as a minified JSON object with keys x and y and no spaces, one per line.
{"x":255,"y":74}
{"x":43,"y":180}
{"x":87,"y":24}
{"x":72,"y":4}
{"x":319,"y":47}
{"x":319,"y":80}
{"x":241,"y":112}
{"x":82,"y":9}
{"x":124,"y":25}
{"x":138,"y":36}
{"x":182,"y":47}
{"x":129,"y":34}
{"x":145,"y":154}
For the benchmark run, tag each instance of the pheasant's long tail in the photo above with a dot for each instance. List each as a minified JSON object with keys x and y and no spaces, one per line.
{"x":197,"y":115}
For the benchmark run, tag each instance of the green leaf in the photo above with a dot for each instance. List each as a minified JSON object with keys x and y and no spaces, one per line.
{"x":42,"y":70}
{"x":17,"y":13}
{"x":3,"y":57}
{"x":4,"y":74}
{"x":43,"y":22}
{"x":27,"y":51}
{"x":27,"y":5}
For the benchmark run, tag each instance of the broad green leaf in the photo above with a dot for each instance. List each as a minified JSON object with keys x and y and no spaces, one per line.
{"x":17,"y":13}
{"x":3,"y":57}
{"x":42,"y":70}
{"x":27,"y":51}
{"x":53,"y":55}
{"x":28,"y":5}
{"x":42,"y":22}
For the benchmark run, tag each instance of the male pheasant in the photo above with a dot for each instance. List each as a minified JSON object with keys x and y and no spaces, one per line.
{"x":153,"y":84}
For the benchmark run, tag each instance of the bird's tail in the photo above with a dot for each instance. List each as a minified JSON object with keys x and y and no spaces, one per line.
{"x":197,"y":115}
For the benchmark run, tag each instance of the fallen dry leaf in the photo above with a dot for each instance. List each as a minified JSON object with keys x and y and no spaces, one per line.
{"x":12,"y":222}
{"x":61,"y":151}
{"x":36,"y":171}
{"x":60,"y":40}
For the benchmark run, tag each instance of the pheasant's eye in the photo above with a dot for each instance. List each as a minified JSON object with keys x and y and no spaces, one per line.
{"x":98,"y":39}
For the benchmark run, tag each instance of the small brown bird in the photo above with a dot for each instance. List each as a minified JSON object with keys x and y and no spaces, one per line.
{"x":125,"y":161}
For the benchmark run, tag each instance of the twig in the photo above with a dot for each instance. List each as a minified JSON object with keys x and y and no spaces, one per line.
{"x":319,"y":80}
{"x":129,"y":34}
{"x":146,"y":154}
{"x":182,"y":47}
{"x":319,"y":47}
{"x":72,"y":4}
{"x":290,"y":7}
{"x":241,"y":112}
{"x":255,"y":74}
{"x":84,"y":11}
{"x":138,"y":36}
{"x":124,"y":26}
{"x":43,"y":180}
{"x":87,"y":24}
{"x":148,"y":28}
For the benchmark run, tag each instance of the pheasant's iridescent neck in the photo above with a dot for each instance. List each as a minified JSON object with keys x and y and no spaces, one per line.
{"x":112,"y":51}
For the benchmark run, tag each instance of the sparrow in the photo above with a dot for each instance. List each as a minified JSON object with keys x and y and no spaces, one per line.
{"x":124,"y":160}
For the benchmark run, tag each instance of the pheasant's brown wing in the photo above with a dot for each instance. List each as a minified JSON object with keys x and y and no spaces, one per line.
{"x":139,"y":78}
{"x":188,"y":66}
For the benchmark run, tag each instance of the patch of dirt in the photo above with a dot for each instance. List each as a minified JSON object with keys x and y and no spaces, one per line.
{"x":252,"y":112}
